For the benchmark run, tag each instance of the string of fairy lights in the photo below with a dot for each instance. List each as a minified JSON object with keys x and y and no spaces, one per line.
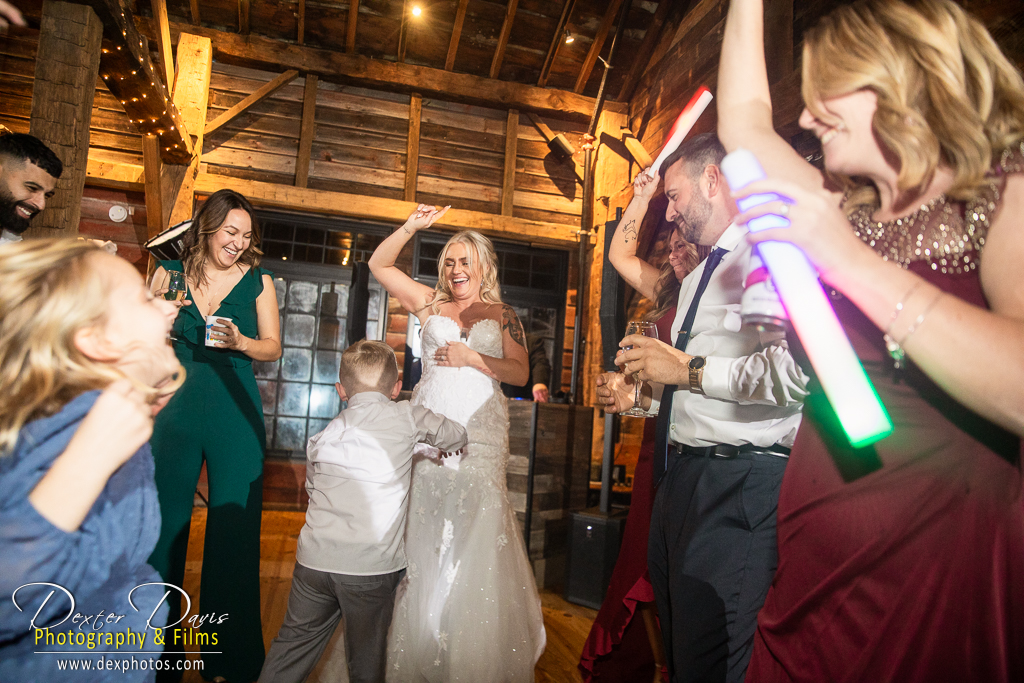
{"x":128,"y":72}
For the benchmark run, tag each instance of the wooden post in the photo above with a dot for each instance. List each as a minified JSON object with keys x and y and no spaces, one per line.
{"x":243,"y":17}
{"x":301,"y":16}
{"x":778,"y":23}
{"x":508,"y":186}
{"x":151,"y":164}
{"x":412,"y":150}
{"x":307,"y":131}
{"x":191,"y":96}
{"x":193,"y":6}
{"x":70,"y":36}
{"x":611,"y":173}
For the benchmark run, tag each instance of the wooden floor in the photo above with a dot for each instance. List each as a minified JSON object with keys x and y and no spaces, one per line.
{"x":567,"y":624}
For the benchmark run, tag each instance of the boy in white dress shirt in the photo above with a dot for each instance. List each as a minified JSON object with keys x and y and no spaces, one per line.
{"x":351,"y":550}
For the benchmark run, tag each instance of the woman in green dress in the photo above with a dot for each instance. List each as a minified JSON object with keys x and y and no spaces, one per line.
{"x":217,"y":417}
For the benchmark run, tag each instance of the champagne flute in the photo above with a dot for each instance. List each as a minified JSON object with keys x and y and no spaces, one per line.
{"x":647,"y":329}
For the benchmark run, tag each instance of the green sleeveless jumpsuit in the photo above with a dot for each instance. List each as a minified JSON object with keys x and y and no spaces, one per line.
{"x":216,"y":416}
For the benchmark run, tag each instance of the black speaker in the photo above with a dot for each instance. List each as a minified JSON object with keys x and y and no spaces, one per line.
{"x":358,"y":302}
{"x":594,"y":541}
{"x":613,"y":302}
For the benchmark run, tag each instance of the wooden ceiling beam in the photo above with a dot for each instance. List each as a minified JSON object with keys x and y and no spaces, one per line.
{"x":453,"y":45}
{"x":597,"y":45}
{"x":129,"y":74}
{"x":277,"y":196}
{"x":556,"y":42}
{"x":265,"y":90}
{"x":267,"y":54}
{"x":350,"y":26}
{"x":506,"y":31}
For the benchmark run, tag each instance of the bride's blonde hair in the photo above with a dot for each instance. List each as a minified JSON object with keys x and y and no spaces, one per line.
{"x":946,"y":94}
{"x":482,"y":256}
{"x":49,"y":290}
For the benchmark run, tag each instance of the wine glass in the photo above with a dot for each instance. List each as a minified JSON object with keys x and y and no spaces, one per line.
{"x":647,"y":329}
{"x":175,"y":289}
{"x":174,"y":284}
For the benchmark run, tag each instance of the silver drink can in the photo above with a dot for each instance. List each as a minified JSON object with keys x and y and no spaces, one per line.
{"x":760,"y":305}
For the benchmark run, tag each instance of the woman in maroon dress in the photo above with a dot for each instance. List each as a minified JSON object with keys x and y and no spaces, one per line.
{"x":903,"y":561}
{"x":624,"y":645}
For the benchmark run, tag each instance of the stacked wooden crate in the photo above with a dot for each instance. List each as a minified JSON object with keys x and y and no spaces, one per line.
{"x":561,"y":474}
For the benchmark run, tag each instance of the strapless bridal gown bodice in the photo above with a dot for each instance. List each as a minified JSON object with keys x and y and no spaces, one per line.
{"x":468,"y":609}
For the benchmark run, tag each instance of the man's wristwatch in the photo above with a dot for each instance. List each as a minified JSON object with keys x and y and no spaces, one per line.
{"x":696,"y":365}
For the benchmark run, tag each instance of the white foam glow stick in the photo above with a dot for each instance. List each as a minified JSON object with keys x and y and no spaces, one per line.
{"x":691,"y":112}
{"x":842,"y":377}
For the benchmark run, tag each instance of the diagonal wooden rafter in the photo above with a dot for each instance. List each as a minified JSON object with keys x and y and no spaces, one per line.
{"x":350,"y":26}
{"x":166,"y":58}
{"x":129,"y":74}
{"x":264,"y":91}
{"x":243,"y":17}
{"x":267,"y":54}
{"x":506,"y":31}
{"x":597,"y":45}
{"x":643,"y":55}
{"x":556,"y":42}
{"x":453,"y":45}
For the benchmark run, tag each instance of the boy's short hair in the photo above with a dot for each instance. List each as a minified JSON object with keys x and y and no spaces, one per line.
{"x":368,"y":366}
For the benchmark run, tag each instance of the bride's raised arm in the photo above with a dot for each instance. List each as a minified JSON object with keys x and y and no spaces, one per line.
{"x":412,"y":295}
{"x":744,"y":101}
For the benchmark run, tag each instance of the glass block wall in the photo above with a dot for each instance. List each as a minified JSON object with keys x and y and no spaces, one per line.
{"x":298,"y":393}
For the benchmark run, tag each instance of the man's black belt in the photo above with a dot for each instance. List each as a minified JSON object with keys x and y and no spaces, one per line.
{"x":724,"y":450}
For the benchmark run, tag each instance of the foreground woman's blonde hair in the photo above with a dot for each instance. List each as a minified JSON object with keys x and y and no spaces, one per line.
{"x":49,"y":290}
{"x":946,"y":94}
{"x":482,"y":256}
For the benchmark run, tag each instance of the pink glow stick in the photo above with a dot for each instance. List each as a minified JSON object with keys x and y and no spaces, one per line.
{"x":691,"y":112}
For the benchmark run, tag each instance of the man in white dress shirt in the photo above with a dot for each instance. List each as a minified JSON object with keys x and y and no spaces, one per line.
{"x":28,"y":175}
{"x":729,"y":413}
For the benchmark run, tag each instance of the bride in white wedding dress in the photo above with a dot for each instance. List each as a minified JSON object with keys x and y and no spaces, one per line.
{"x":468,"y":608}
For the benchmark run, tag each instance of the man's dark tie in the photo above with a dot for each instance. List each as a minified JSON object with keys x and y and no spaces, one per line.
{"x":665,"y":412}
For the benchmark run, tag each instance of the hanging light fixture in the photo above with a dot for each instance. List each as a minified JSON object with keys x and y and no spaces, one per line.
{"x":568,"y":37}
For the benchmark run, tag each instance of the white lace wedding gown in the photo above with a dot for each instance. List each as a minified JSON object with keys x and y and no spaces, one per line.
{"x":468,"y":609}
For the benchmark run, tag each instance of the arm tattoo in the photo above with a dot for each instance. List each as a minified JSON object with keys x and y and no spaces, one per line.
{"x":629,"y":232}
{"x":510,"y":323}
{"x":407,"y":230}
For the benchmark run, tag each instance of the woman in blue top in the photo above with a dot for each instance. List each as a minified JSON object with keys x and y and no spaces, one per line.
{"x":217,"y":416}
{"x":83,"y":344}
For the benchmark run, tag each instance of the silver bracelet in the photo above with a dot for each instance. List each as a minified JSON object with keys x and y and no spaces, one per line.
{"x":894,"y":347}
{"x":899,"y":306}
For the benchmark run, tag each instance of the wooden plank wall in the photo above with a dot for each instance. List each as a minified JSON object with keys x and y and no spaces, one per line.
{"x":361,"y":144}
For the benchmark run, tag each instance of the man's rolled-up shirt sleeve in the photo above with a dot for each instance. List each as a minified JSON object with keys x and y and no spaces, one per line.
{"x":770,"y":376}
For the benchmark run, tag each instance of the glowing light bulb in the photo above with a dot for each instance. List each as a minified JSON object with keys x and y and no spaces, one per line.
{"x":417,"y":10}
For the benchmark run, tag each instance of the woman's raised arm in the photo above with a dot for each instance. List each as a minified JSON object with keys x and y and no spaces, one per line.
{"x":412,"y":295}
{"x":640,"y":275}
{"x":744,"y":100}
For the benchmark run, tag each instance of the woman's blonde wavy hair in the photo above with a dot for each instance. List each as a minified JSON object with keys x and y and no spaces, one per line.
{"x":49,"y":290}
{"x":946,"y":94}
{"x":482,"y":256}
